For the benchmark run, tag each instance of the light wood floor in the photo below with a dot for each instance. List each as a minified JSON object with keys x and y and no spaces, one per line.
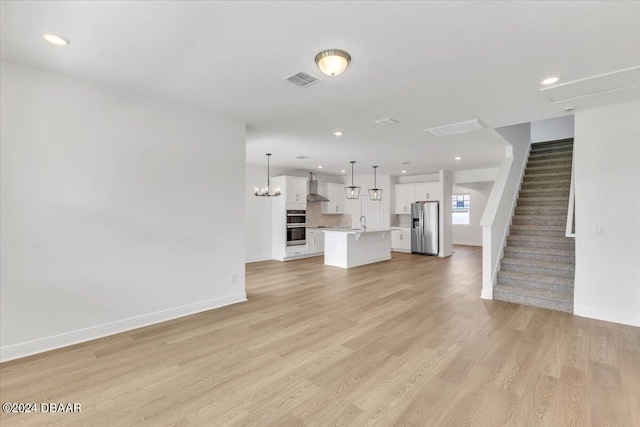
{"x":403,"y":342}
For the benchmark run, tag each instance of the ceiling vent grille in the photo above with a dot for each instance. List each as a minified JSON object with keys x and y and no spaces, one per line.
{"x":386,"y":122}
{"x":302,"y":79}
{"x":457,"y":128}
{"x":302,"y":157}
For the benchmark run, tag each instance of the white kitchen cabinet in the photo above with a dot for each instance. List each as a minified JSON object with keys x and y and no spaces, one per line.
{"x":426,"y":191}
{"x":295,"y":192}
{"x":401,"y":240}
{"x":335,"y":193}
{"x":297,"y":251}
{"x":404,"y":198}
{"x":315,"y":241}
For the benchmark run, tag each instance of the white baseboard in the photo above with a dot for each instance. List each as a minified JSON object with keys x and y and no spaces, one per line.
{"x":608,"y":316}
{"x":41,"y":345}
{"x":258,"y":259}
{"x":468,"y":243}
{"x":486,"y":294}
{"x":406,"y":251}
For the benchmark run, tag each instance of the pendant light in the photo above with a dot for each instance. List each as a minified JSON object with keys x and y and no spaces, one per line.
{"x":352,"y":192}
{"x":375,"y":193}
{"x":266,"y":191}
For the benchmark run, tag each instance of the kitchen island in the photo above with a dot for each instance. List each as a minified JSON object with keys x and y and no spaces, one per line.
{"x":348,"y":248}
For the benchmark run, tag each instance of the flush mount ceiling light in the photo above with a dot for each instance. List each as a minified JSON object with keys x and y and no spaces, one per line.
{"x":375,"y":193}
{"x":319,"y":166}
{"x":343,"y":171}
{"x":266,"y":191}
{"x":352,"y":192}
{"x":457,"y":158}
{"x":55,"y":39}
{"x":549,"y":81}
{"x":338,"y":133}
{"x":403,"y":171}
{"x":333,"y":62}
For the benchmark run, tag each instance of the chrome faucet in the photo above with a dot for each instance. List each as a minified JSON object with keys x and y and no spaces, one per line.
{"x":363,"y":226}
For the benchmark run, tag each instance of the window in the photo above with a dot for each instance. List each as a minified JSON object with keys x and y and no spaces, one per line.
{"x":460,"y":208}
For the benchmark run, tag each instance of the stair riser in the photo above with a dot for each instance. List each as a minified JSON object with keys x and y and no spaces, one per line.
{"x":550,"y":155}
{"x":549,"y":168}
{"x":551,"y":160}
{"x":539,"y":184}
{"x":566,"y":259}
{"x":540,"y":232}
{"x":540,"y":244}
{"x":551,"y":148}
{"x":531,"y":177}
{"x":542,"y":210}
{"x":557,"y":202}
{"x":505,"y":279}
{"x":538,"y":221}
{"x":536,"y":302}
{"x":539,"y":192}
{"x":546,"y":271}
{"x":548,"y":174}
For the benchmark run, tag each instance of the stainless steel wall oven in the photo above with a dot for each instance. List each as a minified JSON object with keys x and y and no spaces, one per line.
{"x":296,"y":227}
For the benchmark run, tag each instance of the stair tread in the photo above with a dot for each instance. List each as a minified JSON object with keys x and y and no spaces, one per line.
{"x":541,"y":264}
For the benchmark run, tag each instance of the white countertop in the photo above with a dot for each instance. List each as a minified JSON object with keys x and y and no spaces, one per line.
{"x":355,"y":230}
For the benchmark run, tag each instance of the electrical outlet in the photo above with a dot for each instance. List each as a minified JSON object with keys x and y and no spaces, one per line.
{"x":599,"y":230}
{"x":234,"y":279}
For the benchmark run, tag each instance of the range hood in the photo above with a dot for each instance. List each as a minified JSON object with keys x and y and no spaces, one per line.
{"x":313,"y":195}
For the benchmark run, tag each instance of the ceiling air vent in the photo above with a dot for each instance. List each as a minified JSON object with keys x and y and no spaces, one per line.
{"x":386,"y":122}
{"x":457,"y":128}
{"x":302,"y":79}
{"x":302,"y":157}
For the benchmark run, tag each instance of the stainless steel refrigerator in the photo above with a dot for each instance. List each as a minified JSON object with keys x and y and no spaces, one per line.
{"x":424,"y":228}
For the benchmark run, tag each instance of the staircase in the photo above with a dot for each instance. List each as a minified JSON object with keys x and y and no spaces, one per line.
{"x":539,"y":261}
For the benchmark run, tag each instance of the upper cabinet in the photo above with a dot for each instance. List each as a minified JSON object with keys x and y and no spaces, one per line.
{"x":427,"y":191}
{"x":296,"y":193}
{"x":335,"y":193}
{"x":406,"y":194}
{"x":294,"y":189}
{"x":404,"y":198}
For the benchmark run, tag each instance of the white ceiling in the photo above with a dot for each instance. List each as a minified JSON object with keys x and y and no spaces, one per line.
{"x":423,"y":64}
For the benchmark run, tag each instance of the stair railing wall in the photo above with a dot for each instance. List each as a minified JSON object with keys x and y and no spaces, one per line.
{"x":570,"y":230}
{"x":500,"y":208}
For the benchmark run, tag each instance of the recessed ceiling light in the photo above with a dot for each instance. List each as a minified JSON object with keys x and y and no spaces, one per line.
{"x":457,"y":158}
{"x":549,"y":81}
{"x":404,"y":171}
{"x":338,"y":133}
{"x":320,"y":167}
{"x":343,"y":171}
{"x":55,"y":40}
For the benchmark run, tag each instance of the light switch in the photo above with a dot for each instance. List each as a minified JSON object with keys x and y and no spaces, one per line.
{"x":599,"y":230}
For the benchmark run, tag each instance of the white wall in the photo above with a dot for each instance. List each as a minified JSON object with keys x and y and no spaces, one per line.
{"x":117,"y":211}
{"x":552,"y":129}
{"x":479,"y":193}
{"x":607,"y":185}
{"x":498,"y":213}
{"x":257,"y":216}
